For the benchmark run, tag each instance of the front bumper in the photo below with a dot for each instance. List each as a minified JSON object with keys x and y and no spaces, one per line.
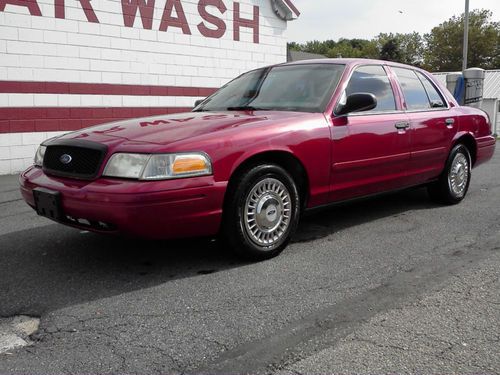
{"x":156,"y":210}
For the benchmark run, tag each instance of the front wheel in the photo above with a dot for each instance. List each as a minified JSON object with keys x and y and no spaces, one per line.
{"x":453,"y":184}
{"x":261,"y":213}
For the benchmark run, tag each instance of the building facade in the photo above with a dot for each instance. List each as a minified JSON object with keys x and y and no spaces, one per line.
{"x":70,"y":64}
{"x":491,"y":95}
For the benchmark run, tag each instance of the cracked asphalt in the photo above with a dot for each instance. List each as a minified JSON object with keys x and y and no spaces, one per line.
{"x":394,"y":284}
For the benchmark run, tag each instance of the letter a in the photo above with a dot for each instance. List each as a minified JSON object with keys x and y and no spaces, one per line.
{"x":32,"y":5}
{"x":168,"y":20}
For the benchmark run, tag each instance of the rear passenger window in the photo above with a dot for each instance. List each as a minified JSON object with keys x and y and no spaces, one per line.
{"x":435,"y":97}
{"x":373,"y":79}
{"x":413,"y":90}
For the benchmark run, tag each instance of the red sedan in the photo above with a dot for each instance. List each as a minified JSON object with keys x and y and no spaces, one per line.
{"x":251,"y":158}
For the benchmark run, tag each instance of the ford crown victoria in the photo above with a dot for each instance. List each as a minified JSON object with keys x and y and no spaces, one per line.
{"x":251,"y":158}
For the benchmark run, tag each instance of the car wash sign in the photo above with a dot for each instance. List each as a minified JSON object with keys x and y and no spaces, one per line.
{"x":211,"y":14}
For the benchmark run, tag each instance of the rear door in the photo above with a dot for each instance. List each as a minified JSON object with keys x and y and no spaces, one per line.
{"x":433,"y":124}
{"x":370,"y":150}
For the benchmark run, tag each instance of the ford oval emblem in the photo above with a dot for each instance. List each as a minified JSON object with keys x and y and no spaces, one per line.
{"x":65,"y":159}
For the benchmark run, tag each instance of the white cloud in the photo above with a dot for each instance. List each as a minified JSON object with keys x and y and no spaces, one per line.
{"x":334,"y":19}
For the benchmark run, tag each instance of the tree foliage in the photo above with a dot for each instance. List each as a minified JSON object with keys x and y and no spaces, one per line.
{"x":439,"y":50}
{"x":403,"y":48}
{"x":353,"y":48}
{"x":444,"y":43}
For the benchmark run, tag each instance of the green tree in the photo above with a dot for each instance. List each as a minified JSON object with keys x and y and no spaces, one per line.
{"x":354,"y":48}
{"x":294,"y":46}
{"x":391,"y":51}
{"x":440,"y":50}
{"x":403,"y":48}
{"x":444,"y":43}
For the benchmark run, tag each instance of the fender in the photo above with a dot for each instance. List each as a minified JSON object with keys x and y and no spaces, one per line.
{"x":259,"y":151}
{"x":470,"y":142}
{"x":461,"y":134}
{"x":318,"y":189}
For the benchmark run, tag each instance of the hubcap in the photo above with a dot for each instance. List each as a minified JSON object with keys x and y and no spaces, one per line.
{"x":267,"y":212}
{"x":459,"y":175}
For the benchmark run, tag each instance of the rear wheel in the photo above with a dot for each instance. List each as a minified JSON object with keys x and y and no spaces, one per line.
{"x":261,"y":213}
{"x":453,"y":183}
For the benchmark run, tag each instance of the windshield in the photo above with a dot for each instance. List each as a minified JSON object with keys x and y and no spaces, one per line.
{"x":301,"y":88}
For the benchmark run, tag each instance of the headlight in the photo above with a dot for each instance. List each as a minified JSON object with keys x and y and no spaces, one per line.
{"x":40,"y":153}
{"x":158,"y":166}
{"x":126,"y":165}
{"x":167,"y":166}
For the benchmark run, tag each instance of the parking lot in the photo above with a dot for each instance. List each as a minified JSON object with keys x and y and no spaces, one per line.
{"x":389,"y":284}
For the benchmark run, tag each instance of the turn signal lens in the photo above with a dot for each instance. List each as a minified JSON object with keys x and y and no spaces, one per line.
{"x":189,"y":164}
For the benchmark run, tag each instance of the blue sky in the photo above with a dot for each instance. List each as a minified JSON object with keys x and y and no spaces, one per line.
{"x":334,"y":19}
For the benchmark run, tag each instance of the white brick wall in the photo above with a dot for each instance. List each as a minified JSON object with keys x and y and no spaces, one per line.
{"x":74,"y":100}
{"x":47,"y":49}
{"x":17,"y":150}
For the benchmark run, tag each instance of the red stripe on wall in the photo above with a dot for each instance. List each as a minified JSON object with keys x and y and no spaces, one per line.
{"x":19,"y":120}
{"x":22,"y":87}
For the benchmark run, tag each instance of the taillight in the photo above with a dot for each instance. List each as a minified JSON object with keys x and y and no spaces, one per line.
{"x":489,"y":122}
{"x":488,"y":119}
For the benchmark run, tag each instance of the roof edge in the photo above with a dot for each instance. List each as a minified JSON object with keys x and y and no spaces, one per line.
{"x":292,"y":7}
{"x":285,"y":9}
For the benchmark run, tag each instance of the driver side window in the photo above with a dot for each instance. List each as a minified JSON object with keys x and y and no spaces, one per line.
{"x":373,"y":79}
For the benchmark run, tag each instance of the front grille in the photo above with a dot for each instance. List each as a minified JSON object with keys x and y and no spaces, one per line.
{"x":73,"y":161}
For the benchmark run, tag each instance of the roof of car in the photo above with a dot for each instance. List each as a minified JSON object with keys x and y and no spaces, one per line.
{"x":349,"y":62}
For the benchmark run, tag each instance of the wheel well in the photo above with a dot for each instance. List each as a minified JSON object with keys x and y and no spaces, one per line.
{"x":469,"y":142}
{"x":286,"y":161}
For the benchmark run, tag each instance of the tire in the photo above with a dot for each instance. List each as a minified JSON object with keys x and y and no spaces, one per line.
{"x":453,"y":183}
{"x":261,"y":212}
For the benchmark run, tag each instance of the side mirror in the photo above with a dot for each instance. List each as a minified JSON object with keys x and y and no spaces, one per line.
{"x":357,"y":102}
{"x":198,"y":102}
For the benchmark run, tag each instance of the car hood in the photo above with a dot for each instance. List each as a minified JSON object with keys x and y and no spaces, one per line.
{"x":162,"y":130}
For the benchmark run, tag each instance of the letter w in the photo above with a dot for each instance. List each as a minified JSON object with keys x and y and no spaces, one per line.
{"x":146,"y":9}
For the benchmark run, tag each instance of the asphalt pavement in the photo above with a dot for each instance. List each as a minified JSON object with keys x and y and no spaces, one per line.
{"x":394,"y":284}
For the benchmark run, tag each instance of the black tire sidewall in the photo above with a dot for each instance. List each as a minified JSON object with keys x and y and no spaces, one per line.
{"x":235,"y":232}
{"x":450,"y":197}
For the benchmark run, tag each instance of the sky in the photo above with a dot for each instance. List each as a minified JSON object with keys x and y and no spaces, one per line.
{"x":334,"y":19}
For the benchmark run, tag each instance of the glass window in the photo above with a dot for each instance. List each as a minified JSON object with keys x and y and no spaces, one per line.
{"x":373,"y":79}
{"x":413,"y":90}
{"x":301,"y":88}
{"x":435,"y":97}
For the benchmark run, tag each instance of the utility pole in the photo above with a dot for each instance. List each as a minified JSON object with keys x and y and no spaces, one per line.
{"x":466,"y":35}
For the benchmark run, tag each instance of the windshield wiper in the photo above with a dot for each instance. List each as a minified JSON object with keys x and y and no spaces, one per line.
{"x":247,"y":108}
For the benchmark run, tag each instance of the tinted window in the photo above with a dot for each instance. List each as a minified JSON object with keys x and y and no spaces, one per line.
{"x":434,"y":96}
{"x":373,"y":79}
{"x":303,"y":88}
{"x":413,"y":90}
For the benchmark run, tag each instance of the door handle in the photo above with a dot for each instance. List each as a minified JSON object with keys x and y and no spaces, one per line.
{"x":450,"y":121}
{"x":403,"y":125}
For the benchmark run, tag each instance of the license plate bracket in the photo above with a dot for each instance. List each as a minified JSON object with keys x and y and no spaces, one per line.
{"x":48,"y":203}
